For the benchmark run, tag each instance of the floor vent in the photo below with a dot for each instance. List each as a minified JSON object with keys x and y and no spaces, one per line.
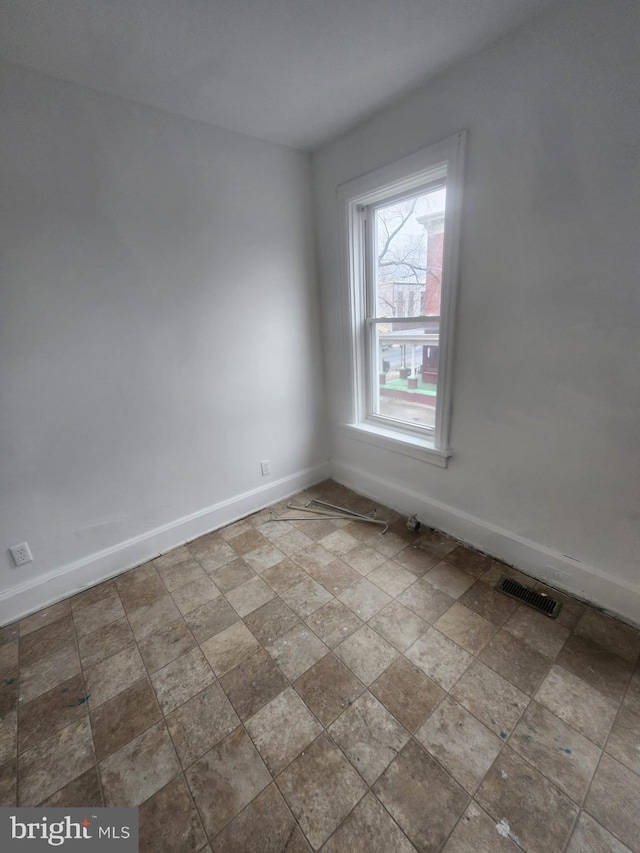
{"x":538,"y":600}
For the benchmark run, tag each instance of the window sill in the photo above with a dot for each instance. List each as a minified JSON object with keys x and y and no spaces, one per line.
{"x":407,"y":445}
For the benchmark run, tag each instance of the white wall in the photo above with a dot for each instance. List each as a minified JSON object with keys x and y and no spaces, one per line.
{"x":546,"y":399}
{"x":158,"y":337}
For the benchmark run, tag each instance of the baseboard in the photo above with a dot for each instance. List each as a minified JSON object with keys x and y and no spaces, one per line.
{"x":32,"y":595}
{"x":615,"y":596}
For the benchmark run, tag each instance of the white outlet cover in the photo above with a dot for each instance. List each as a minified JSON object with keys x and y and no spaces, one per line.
{"x":21,"y":554}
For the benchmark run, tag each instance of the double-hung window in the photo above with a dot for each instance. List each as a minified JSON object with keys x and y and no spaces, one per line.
{"x":401,"y":229}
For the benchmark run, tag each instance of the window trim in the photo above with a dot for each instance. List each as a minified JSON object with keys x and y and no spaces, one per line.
{"x":389,"y":182}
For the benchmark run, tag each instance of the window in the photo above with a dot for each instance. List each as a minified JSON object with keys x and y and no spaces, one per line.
{"x":400,"y":235}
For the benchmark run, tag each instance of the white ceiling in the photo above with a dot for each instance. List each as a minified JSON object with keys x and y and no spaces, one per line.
{"x":297,"y":72}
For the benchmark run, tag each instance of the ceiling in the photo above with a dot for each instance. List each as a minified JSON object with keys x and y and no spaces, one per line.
{"x":298,"y":72}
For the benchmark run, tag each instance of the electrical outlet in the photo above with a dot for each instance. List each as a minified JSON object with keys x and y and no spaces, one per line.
{"x":21,"y":554}
{"x":265,"y":467}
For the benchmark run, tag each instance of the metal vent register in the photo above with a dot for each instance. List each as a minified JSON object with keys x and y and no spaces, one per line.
{"x":538,"y":600}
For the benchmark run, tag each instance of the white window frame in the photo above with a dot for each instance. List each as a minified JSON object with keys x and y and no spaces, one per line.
{"x":402,"y":177}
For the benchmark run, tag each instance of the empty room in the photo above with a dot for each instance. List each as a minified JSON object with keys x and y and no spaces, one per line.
{"x":319,"y":426}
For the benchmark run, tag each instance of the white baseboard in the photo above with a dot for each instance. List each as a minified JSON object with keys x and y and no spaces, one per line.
{"x":614,"y":595}
{"x":39,"y":592}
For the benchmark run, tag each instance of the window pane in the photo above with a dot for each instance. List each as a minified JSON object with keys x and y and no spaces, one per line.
{"x":407,"y":375}
{"x":408,"y":255}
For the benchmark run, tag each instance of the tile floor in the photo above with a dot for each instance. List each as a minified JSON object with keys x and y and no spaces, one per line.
{"x":311,"y":685}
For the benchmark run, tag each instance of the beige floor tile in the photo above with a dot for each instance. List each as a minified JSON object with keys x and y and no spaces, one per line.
{"x":333,"y":622}
{"x":435,"y":542}
{"x":264,"y":557}
{"x":266,"y":824}
{"x":226,"y":779}
{"x":9,"y":735}
{"x":514,"y":660}
{"x":271,"y":621}
{"x":44,"y":641}
{"x":140,"y":768}
{"x":181,"y":679}
{"x":328,"y":688}
{"x":417,"y":561}
{"x":45,"y":715}
{"x":392,"y":578}
{"x":388,"y":544}
{"x":112,"y":675}
{"x":200,"y":723}
{"x":486,"y":602}
{"x":282,"y":729}
{"x":210,"y":618}
{"x":589,"y":837}
{"x":608,"y":673}
{"x":44,"y":617}
{"x":249,"y":596}
{"x":611,"y":634}
{"x":180,"y":573}
{"x":306,"y":596}
{"x":9,"y":784}
{"x":321,"y":788}
{"x":283,"y":576}
{"x":140,"y":588}
{"x":364,"y":559}
{"x":97,"y":615}
{"x":314,"y":557}
{"x":212,"y":552}
{"x":253,"y":683}
{"x":231,"y":575}
{"x":421,"y":797}
{"x":193,"y":595}
{"x":538,"y":815}
{"x":226,"y":650}
{"x":426,"y":601}
{"x":152,"y":617}
{"x":460,"y":743}
{"x":364,"y":598}
{"x":632,"y":696}
{"x":466,"y":628}
{"x":368,"y":828}
{"x":366,"y":654}
{"x":440,"y":658}
{"x":336,"y":576}
{"x":369,"y":736}
{"x":250,"y":540}
{"x":82,"y":792}
{"x":538,"y":631}
{"x":339,"y":542}
{"x":183,"y":832}
{"x":613,"y":801}
{"x":167,"y":644}
{"x":124,"y":717}
{"x":105,"y":642}
{"x":469,"y":560}
{"x":407,"y":692}
{"x":449,"y":579}
{"x":231,"y":531}
{"x":293,"y":542}
{"x":578,"y":704}
{"x":398,"y":625}
{"x":491,"y":698}
{"x":55,"y":762}
{"x":93,"y":594}
{"x":296,"y":651}
{"x":47,"y":672}
{"x":624,"y":740}
{"x":559,"y":752}
{"x":476,"y":832}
